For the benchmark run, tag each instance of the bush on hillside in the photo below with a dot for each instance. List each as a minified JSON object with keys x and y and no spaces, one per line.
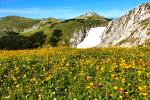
{"x":14,"y":41}
{"x":56,"y":37}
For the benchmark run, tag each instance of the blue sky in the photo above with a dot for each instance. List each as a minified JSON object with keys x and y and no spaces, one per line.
{"x":66,"y":8}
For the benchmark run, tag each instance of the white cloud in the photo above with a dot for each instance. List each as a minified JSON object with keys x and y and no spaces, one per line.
{"x":63,"y":12}
{"x":35,"y":12}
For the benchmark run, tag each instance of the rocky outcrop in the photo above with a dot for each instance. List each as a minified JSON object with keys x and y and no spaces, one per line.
{"x":38,"y":26}
{"x":89,"y":15}
{"x":42,"y":24}
{"x":130,"y":30}
{"x":78,"y":36}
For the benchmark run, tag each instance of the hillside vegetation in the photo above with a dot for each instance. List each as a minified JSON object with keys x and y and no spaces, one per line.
{"x":55,"y":32}
{"x":12,"y":23}
{"x":79,"y":74}
{"x":68,"y":27}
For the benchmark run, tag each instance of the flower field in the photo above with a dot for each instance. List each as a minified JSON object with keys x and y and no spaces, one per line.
{"x":75,"y":74}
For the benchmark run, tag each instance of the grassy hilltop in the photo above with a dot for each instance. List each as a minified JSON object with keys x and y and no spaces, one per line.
{"x":16,"y":22}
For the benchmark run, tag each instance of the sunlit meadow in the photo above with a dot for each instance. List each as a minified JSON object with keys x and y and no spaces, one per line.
{"x":75,"y":74}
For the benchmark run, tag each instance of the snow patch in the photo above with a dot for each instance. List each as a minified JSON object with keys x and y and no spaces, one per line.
{"x":93,"y":38}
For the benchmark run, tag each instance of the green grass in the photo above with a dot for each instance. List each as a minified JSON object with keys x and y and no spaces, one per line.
{"x":82,"y":74}
{"x":128,"y":40}
{"x":19,"y":23}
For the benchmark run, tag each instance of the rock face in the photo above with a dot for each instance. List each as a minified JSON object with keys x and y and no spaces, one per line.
{"x":37,"y":26}
{"x":78,"y":37}
{"x":133,"y":29}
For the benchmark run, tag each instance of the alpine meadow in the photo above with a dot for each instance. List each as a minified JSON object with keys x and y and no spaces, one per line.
{"x":64,"y":50}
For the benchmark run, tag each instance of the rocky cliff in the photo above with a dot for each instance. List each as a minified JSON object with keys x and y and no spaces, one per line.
{"x":78,"y":36}
{"x":90,"y":20}
{"x":132,"y":29}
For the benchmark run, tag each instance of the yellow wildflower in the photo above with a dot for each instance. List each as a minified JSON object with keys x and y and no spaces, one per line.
{"x":120,"y":97}
{"x":140,"y":88}
{"x":67,"y":64}
{"x":123,"y":80}
{"x":139,"y":72}
{"x":127,"y":93}
{"x":14,"y":78}
{"x":17,"y":69}
{"x":88,"y":87}
{"x":40,"y":97}
{"x":95,"y":99}
{"x":74,"y":78}
{"x":88,"y":78}
{"x":115,"y":87}
{"x":33,"y":79}
{"x":144,"y":94}
{"x":91,"y":84}
{"x":121,"y":89}
{"x":113,"y":75}
{"x":24,"y":76}
{"x":49,"y":77}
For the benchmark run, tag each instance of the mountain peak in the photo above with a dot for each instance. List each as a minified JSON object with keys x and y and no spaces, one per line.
{"x":89,"y":15}
{"x":142,"y":12}
{"x":145,"y":4}
{"x":132,"y":29}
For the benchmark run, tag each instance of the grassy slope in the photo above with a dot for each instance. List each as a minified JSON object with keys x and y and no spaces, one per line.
{"x":67,"y":74}
{"x":42,"y":25}
{"x":68,"y":27}
{"x":16,"y":22}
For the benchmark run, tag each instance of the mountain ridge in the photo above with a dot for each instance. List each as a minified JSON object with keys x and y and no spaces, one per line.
{"x":132,"y":29}
{"x":12,"y":23}
{"x":129,"y":30}
{"x":50,"y":27}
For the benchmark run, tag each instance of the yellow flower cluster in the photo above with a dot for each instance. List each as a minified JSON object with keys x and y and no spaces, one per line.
{"x":67,"y":73}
